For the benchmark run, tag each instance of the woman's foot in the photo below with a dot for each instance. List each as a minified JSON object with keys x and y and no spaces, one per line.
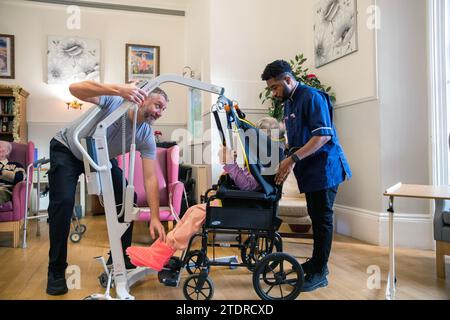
{"x":154,"y":257}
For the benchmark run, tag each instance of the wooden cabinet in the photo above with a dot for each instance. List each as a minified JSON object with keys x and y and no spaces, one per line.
{"x":13,"y":113}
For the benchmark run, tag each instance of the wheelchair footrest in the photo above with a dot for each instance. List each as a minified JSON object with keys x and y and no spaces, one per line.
{"x":168,"y":277}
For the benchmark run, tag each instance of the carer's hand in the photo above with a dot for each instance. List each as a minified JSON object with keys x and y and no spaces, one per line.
{"x":131,"y":93}
{"x":156,"y":225}
{"x":284,"y":169}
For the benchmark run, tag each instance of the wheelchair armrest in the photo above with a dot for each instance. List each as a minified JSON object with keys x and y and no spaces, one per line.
{"x":239,"y":194}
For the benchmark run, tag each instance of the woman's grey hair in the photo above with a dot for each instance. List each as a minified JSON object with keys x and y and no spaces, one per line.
{"x":269,"y":124}
{"x":8,"y":146}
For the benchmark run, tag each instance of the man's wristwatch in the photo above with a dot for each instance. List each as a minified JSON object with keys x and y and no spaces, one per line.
{"x":295,"y":158}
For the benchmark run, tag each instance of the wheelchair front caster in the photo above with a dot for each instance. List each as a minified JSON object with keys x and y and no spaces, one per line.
{"x":198,"y":287}
{"x":81,"y":229}
{"x":195,"y":260}
{"x":103,"y":280}
{"x":75,"y":237}
{"x":278,"y":276}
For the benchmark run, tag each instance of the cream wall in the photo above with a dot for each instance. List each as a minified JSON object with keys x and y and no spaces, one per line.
{"x":383,"y":128}
{"x":31,"y":23}
{"x":374,"y":122}
{"x":260,"y":31}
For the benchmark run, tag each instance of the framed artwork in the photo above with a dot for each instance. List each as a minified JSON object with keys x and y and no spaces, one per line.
{"x":142,"y":62}
{"x":7,"y":56}
{"x":335,"y":30}
{"x":72,"y":59}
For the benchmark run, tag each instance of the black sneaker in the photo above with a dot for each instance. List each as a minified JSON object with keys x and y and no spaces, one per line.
{"x":314,"y":281}
{"x":308,"y":267}
{"x":56,"y":284}
{"x":128,"y":263}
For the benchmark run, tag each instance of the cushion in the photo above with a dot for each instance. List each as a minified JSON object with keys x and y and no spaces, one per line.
{"x":7,"y":206}
{"x":295,"y":207}
{"x":290,"y":187}
{"x":446,"y":217}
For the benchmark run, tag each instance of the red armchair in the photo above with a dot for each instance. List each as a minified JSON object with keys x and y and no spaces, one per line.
{"x":170,"y":189}
{"x":12,"y":213}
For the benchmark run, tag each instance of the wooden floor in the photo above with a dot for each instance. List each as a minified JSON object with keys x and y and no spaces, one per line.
{"x":23,"y":272}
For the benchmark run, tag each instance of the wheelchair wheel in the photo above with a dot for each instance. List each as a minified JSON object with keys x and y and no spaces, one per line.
{"x":278,"y":276}
{"x":103,"y":279}
{"x":256,"y":247}
{"x":75,"y":237}
{"x":195,"y":260}
{"x":198,"y":287}
{"x":80,"y":228}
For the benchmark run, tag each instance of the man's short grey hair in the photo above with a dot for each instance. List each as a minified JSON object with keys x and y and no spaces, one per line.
{"x":160,"y":91}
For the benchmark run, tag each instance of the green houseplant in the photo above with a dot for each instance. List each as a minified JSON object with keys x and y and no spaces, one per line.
{"x":302,"y":75}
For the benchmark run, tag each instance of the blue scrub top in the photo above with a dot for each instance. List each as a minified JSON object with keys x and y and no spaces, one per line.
{"x":307,"y":113}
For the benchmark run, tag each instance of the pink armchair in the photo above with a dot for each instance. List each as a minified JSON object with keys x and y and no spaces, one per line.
{"x":170,"y":189}
{"x":12,"y":213}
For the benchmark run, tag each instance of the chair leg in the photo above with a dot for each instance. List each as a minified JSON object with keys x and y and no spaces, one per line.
{"x":440,"y":259}
{"x":16,"y":233}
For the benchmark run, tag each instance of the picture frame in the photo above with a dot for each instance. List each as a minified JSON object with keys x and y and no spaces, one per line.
{"x":7,"y":69}
{"x":72,"y":59}
{"x":142,"y":62}
{"x":335,"y":30}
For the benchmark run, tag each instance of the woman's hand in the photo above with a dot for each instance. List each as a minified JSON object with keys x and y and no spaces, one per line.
{"x":226,"y":156}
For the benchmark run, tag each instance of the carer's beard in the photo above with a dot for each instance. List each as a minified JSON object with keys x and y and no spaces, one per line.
{"x":286,"y":94}
{"x":148,"y":118}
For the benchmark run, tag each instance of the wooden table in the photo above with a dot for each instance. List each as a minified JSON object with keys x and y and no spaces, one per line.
{"x":437,"y":193}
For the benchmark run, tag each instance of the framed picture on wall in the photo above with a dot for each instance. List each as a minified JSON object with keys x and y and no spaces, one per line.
{"x":335,"y":30}
{"x":72,"y":59}
{"x":142,"y":62}
{"x":7,"y":56}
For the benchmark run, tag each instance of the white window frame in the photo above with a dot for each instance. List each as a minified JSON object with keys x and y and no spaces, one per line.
{"x":438,"y":89}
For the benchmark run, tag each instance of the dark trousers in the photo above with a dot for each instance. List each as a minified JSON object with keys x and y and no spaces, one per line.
{"x":320,"y":209}
{"x":63,"y":175}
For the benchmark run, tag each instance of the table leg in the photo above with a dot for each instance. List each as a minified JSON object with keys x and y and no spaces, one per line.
{"x":391,"y":282}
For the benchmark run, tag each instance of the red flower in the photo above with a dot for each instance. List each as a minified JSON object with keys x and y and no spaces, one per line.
{"x":158,"y":133}
{"x":311,"y":76}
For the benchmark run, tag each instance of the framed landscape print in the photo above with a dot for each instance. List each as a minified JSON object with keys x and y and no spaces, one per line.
{"x":7,"y":56}
{"x":142,"y":62}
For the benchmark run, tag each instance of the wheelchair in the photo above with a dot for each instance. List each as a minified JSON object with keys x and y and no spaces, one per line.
{"x":252,"y":217}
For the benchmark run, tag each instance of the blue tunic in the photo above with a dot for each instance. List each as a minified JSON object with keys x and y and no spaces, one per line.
{"x":308,"y":113}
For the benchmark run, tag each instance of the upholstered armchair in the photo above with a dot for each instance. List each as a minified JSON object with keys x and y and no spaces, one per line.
{"x":12,"y":213}
{"x":170,"y":189}
{"x":442,"y":236}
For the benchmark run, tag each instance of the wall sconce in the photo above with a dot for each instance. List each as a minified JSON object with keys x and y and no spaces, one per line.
{"x":74,"y":105}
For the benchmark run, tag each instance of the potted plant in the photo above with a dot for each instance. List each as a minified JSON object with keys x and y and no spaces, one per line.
{"x":302,"y":75}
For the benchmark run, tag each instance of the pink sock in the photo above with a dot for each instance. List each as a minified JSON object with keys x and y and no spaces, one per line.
{"x":155,"y":256}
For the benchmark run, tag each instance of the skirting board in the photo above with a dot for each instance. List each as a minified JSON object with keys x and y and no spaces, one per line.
{"x":411,"y":230}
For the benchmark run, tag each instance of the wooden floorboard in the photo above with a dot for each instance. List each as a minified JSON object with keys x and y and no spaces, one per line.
{"x":24,"y":271}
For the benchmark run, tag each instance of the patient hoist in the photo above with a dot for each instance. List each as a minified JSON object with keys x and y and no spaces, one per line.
{"x":99,"y":182}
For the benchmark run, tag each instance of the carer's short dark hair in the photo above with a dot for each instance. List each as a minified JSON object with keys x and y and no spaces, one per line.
{"x":276,"y":69}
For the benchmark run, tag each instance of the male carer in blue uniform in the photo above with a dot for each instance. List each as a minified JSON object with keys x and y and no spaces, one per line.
{"x":318,"y":162}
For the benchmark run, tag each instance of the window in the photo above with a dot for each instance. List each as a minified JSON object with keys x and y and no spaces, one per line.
{"x":447,"y":62}
{"x":439,"y":49}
